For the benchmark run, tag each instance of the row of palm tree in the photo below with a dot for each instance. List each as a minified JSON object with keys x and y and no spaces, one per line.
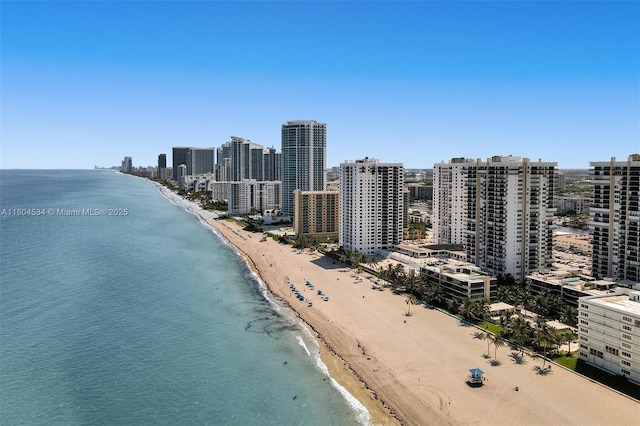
{"x":543,"y":303}
{"x":355,"y":257}
{"x":539,"y":336}
{"x":496,"y":340}
{"x":474,"y":309}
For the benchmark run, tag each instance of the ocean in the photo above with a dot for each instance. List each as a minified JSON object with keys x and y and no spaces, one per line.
{"x":119,"y":307}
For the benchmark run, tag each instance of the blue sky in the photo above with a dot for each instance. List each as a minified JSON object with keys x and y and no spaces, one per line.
{"x":85,"y":83}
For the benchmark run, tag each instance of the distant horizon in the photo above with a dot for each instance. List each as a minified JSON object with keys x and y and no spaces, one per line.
{"x":114,"y":167}
{"x":404,"y":82}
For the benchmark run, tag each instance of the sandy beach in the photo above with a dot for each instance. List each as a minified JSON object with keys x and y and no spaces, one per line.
{"x":412,"y":370}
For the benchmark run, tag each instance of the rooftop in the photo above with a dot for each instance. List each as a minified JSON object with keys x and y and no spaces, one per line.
{"x":620,"y":302}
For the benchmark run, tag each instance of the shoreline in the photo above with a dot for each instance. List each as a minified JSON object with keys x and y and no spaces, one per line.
{"x":412,"y":369}
{"x":338,"y":368}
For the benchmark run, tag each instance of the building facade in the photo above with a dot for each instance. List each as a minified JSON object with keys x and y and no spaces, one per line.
{"x":162,"y":166}
{"x":272,"y":164}
{"x":459,"y":280}
{"x":179,"y":156}
{"x":420,"y":192}
{"x":615,"y":219}
{"x":304,"y":144}
{"x":450,"y":201}
{"x":200,"y":161}
{"x":609,"y":332}
{"x":510,"y":215}
{"x":317,"y":213}
{"x":501,"y":210}
{"x":127,"y":165}
{"x":371,"y":205}
{"x":251,"y":196}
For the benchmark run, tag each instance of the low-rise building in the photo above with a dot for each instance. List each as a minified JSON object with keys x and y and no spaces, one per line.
{"x":197,"y":183}
{"x":459,"y":280}
{"x":569,"y":286}
{"x":579,"y":244}
{"x":609,"y":332}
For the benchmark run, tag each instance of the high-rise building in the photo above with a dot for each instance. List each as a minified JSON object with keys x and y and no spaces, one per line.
{"x":317,"y":213}
{"x":127,"y":165}
{"x":501,"y":210}
{"x":615,"y":219}
{"x":272,"y":164}
{"x":197,"y":160}
{"x":180,"y":173}
{"x":371,"y":205}
{"x":179,"y":156}
{"x":162,"y":166}
{"x":510,"y":215}
{"x":240,"y":172}
{"x":251,"y":196}
{"x":304,"y":158}
{"x":200,"y":161}
{"x":246,"y":160}
{"x":223,"y":163}
{"x":449,"y":201}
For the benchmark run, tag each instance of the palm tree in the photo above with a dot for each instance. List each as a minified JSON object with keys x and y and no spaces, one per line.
{"x":487,"y":336}
{"x":569,"y":315}
{"x":345,"y":256}
{"x":466,"y":309}
{"x":432,"y":293}
{"x":410,"y":300}
{"x":519,"y":328}
{"x":481,"y":309}
{"x":505,"y":318}
{"x":497,"y":341}
{"x":545,"y":337}
{"x":568,"y":337}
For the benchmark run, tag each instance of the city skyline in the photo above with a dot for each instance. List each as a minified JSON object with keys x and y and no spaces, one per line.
{"x":86,"y":83}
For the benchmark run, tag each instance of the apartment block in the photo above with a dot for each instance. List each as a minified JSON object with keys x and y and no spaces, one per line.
{"x":615,"y":219}
{"x":317,"y":213}
{"x":251,"y":196}
{"x":371,"y":205}
{"x":304,"y":158}
{"x":450,"y":200}
{"x":609,"y":332}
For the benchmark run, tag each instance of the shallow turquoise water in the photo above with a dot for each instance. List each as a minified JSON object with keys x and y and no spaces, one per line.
{"x":148,"y":318}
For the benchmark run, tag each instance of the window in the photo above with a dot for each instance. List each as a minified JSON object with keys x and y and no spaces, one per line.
{"x":627,"y":354}
{"x":627,"y":372}
{"x":611,"y":350}
{"x":599,"y":354}
{"x":626,"y":327}
{"x":626,"y":336}
{"x":627,"y":319}
{"x":627,"y":363}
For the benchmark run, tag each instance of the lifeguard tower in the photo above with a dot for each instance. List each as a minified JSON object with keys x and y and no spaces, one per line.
{"x":475,"y":377}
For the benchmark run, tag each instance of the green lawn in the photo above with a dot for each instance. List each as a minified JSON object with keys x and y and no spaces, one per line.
{"x":567,"y":361}
{"x":495,"y":329}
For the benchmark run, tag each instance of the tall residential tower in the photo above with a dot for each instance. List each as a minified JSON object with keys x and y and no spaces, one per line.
{"x":501,"y":210}
{"x":615,"y":219}
{"x":371,"y":205}
{"x":304,"y":158}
